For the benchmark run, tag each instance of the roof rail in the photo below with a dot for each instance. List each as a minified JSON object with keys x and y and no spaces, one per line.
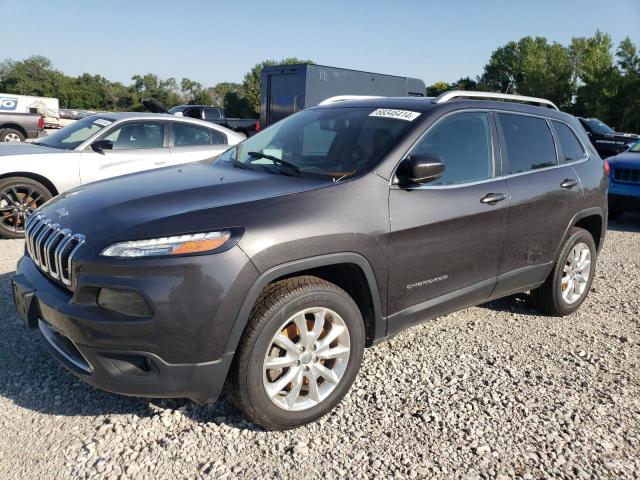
{"x":342,"y":98}
{"x":541,"y":102}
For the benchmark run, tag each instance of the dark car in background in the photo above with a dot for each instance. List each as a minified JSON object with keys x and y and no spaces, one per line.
{"x":246,"y":126}
{"x":605,"y":139}
{"x":624,"y":181}
{"x":271,"y":268}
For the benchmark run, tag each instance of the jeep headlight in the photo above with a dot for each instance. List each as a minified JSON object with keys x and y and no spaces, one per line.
{"x":168,"y":246}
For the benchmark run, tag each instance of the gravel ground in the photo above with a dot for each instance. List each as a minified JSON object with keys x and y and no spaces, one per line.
{"x":496,"y":391}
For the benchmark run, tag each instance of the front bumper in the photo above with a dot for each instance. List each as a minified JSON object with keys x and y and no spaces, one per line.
{"x":145,"y":357}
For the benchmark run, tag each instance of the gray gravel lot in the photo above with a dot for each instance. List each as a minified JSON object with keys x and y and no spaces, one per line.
{"x":496,"y":391}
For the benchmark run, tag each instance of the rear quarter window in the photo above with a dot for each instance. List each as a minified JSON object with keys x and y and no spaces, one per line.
{"x":571,"y":147}
{"x":528,"y":141}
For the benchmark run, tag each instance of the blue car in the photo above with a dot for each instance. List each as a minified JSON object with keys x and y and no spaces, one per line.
{"x":624,"y":182}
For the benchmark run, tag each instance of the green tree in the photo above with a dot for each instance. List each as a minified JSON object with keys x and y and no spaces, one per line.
{"x":252,"y":79}
{"x":33,"y":76}
{"x":531,"y":66}
{"x":231,"y":97}
{"x":596,"y":75}
{"x":437,"y":88}
{"x":626,"y":104}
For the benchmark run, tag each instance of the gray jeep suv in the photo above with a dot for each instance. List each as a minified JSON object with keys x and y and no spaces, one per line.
{"x":274,"y":266}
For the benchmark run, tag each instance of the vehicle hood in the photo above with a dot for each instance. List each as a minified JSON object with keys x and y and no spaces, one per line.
{"x":7,"y":149}
{"x":625,"y":160}
{"x":168,"y":201}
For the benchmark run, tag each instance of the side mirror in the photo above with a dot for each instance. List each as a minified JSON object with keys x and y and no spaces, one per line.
{"x":100,"y":145}
{"x":420,"y":168}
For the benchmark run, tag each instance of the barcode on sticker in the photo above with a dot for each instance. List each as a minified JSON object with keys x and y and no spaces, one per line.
{"x":102,"y":122}
{"x":407,"y":115}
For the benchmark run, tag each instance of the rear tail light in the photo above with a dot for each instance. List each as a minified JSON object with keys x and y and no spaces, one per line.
{"x":258,"y":127}
{"x":607,"y":167}
{"x":41,"y":123}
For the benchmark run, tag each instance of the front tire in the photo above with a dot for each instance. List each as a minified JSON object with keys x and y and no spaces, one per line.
{"x":11,"y":135}
{"x":299,"y":354}
{"x":19,"y":197}
{"x":570,"y":280}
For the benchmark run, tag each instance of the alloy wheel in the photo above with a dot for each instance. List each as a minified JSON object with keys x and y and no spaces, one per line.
{"x":576,"y":272}
{"x":17,"y":202}
{"x":306,"y":359}
{"x":12,"y":138}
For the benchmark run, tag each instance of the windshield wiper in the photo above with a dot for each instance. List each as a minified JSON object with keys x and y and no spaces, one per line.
{"x":239,"y":164}
{"x":279,"y":161}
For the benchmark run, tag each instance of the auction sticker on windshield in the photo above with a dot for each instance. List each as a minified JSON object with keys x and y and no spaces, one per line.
{"x":407,"y":115}
{"x":102,"y":122}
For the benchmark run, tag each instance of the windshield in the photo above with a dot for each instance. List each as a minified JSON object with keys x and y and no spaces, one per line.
{"x":635,"y":147}
{"x":70,"y":137}
{"x":599,"y":127}
{"x":177,"y":109}
{"x":335,"y":143}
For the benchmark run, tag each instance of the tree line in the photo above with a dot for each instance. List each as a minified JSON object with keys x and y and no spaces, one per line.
{"x":37,"y":76}
{"x":588,"y":77}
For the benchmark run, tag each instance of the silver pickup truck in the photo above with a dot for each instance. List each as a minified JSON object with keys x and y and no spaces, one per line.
{"x":17,"y":127}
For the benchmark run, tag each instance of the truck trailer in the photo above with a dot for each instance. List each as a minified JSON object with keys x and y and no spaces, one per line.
{"x":286,"y":89}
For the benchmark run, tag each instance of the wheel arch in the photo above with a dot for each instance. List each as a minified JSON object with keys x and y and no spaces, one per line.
{"x":350,"y":271}
{"x":590,"y":219}
{"x":14,"y":126}
{"x":33,"y":176}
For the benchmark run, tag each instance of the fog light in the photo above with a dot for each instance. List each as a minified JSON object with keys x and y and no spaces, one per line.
{"x":126,"y":302}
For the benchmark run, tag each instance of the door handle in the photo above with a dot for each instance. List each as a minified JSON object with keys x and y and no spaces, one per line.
{"x":493,"y":198}
{"x":569,"y":183}
{"x":160,"y":162}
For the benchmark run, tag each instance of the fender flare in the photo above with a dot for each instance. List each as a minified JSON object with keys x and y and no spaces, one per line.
{"x":242,"y":318}
{"x":578,"y":216}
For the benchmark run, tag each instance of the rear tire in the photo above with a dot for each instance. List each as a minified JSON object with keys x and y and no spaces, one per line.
{"x":282,"y":383}
{"x":570,"y":280}
{"x":19,"y":196}
{"x":11,"y":135}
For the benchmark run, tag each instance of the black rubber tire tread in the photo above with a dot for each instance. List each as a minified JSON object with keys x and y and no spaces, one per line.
{"x":4,"y":233}
{"x":272,"y":299}
{"x":546,"y":297}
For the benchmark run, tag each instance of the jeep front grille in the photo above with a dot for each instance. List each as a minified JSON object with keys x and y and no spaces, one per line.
{"x":627,"y":174}
{"x":52,"y":247}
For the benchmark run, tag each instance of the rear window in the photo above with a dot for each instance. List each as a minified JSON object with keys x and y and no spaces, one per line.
{"x":529,"y":142}
{"x":571,"y":148}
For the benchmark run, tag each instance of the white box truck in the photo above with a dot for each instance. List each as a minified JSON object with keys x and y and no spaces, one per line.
{"x":46,"y":106}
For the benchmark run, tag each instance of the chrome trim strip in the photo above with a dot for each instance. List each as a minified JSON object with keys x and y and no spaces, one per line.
{"x":68,"y":280}
{"x":51,"y":337}
{"x":46,"y":243}
{"x":47,"y":246}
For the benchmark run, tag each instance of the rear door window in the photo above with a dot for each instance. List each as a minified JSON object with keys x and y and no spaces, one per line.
{"x":571,"y":148}
{"x":187,"y":135}
{"x":528,"y":141}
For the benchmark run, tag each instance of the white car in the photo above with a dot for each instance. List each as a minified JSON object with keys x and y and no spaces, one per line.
{"x":97,"y":147}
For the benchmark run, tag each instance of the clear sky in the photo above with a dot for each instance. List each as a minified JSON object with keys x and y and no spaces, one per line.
{"x":215,"y":41}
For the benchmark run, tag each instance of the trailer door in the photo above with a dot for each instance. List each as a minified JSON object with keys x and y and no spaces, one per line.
{"x":286,"y":93}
